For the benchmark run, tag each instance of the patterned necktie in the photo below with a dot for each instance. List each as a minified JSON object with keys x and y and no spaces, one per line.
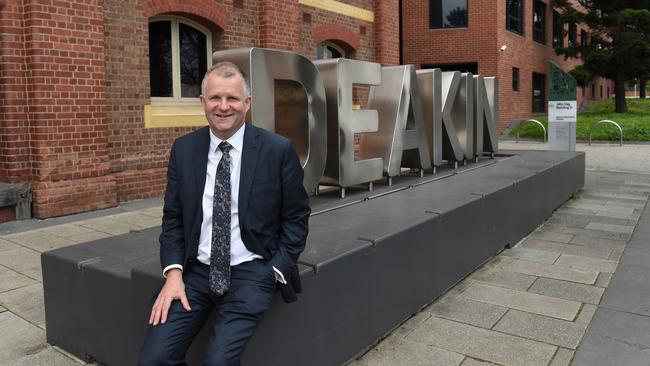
{"x":220,"y":251}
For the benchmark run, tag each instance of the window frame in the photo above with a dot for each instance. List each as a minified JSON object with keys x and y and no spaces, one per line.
{"x":543,"y":95}
{"x":537,"y":32}
{"x":558,"y":31}
{"x":520,"y":29}
{"x":572,"y":35}
{"x":176,"y":97}
{"x":333,"y":45}
{"x":442,"y":25}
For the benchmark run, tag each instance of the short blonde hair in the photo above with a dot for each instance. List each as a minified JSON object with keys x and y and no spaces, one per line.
{"x":226,"y":69}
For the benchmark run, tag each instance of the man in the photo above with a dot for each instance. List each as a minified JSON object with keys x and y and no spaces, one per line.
{"x":234,"y":223}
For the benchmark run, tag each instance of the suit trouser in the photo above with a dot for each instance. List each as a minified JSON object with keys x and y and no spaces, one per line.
{"x":239,"y":310}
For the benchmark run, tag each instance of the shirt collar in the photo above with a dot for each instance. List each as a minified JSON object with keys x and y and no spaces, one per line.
{"x":236,"y":140}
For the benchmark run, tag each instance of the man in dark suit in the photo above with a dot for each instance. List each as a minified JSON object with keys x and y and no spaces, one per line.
{"x":234,"y":223}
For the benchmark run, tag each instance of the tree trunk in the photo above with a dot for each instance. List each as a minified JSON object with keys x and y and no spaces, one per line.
{"x":619,"y":87}
{"x":642,"y":83}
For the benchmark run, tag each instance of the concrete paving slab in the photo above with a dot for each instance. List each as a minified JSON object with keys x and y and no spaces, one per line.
{"x":405,"y":352}
{"x":616,"y":255}
{"x":533,"y":303}
{"x":597,"y":242}
{"x":615,"y":338}
{"x":551,"y":271}
{"x":156,"y":212}
{"x":35,"y":273}
{"x":587,"y":263}
{"x":26,"y":302}
{"x":12,"y":279}
{"x":562,"y":357}
{"x":603,"y":279}
{"x":483,"y":344}
{"x":627,"y":196}
{"x":20,"y":259}
{"x":629,"y":290}
{"x":412,"y":323}
{"x":467,"y":311}
{"x":586,"y":314}
{"x":38,"y":240}
{"x":108,"y":226}
{"x":609,"y":227}
{"x":7,"y":245}
{"x":561,"y":333}
{"x":588,"y":232}
{"x":136,"y":218}
{"x":19,"y":338}
{"x":533,"y":255}
{"x":552,"y":236}
{"x":46,"y":357}
{"x":567,"y":290}
{"x":90,"y":236}
{"x":67,"y":230}
{"x":502,"y":278}
{"x":581,"y":250}
{"x":601,"y":208}
{"x":474,"y":362}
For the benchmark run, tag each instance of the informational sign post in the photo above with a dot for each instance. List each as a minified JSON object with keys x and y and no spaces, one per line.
{"x":562,"y":110}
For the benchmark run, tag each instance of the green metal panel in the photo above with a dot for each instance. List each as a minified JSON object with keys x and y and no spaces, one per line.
{"x":562,"y":85}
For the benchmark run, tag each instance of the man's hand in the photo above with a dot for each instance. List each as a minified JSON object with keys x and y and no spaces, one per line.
{"x":173,"y":289}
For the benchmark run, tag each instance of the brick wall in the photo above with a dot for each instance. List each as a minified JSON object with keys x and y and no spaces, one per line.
{"x":75,"y":79}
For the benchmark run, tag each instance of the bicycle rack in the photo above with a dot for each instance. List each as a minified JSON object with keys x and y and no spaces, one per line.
{"x":620,"y":130}
{"x":531,"y":121}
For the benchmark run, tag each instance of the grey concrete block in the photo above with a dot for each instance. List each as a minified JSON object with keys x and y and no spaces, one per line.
{"x":567,"y":290}
{"x":26,"y":302}
{"x":616,"y":255}
{"x":561,"y":333}
{"x":483,"y":344}
{"x":615,"y":338}
{"x":19,"y":338}
{"x":12,"y":279}
{"x":587,"y":263}
{"x":467,"y":311}
{"x":551,"y":271}
{"x":533,"y":255}
{"x":533,"y":303}
{"x":580,"y":250}
{"x":603,"y":279}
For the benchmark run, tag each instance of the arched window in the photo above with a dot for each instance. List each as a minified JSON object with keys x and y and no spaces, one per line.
{"x":180,"y":52}
{"x":327,"y":50}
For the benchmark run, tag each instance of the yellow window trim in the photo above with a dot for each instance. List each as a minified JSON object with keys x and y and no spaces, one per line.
{"x":159,"y":116}
{"x":340,"y":8}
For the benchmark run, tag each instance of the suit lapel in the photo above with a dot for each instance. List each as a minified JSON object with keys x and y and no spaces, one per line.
{"x":201,"y":166}
{"x":249,"y":157}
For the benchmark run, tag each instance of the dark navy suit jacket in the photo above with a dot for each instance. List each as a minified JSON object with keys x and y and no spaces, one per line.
{"x":273,"y":205}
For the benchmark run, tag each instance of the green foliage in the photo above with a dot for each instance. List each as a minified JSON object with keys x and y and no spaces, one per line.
{"x":635,"y":123}
{"x":582,"y":75}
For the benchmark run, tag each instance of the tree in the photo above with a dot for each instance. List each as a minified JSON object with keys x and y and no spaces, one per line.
{"x":620,"y":40}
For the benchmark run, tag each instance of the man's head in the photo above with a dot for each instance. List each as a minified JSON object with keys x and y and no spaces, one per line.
{"x":225,"y":97}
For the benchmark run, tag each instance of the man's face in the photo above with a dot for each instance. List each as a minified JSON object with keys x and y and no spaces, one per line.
{"x":225,"y":104}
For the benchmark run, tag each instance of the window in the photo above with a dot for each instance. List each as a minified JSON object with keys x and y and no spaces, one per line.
{"x":471,"y":67}
{"x":539,"y":89}
{"x":539,"y":22}
{"x":601,"y":92}
{"x":558,"y":37}
{"x":593,"y":91}
{"x":447,"y":14}
{"x":515,"y":16}
{"x":573,"y":34}
{"x":584,"y":42}
{"x":179,"y":55}
{"x":327,"y":50}
{"x":515,"y":79}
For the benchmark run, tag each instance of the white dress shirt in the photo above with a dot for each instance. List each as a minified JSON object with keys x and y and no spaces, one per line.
{"x":238,"y":251}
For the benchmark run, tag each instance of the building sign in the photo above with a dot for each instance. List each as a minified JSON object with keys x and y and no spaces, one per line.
{"x":413,"y":119}
{"x":562,"y":110}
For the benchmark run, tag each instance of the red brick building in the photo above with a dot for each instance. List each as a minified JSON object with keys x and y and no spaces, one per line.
{"x":90,"y":107}
{"x":510,"y":39}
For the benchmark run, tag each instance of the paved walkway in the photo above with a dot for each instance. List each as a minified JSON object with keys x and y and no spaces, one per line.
{"x":531,"y":305}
